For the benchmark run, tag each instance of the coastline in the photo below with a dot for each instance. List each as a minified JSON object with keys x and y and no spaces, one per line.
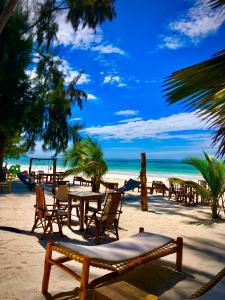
{"x":121,"y":175}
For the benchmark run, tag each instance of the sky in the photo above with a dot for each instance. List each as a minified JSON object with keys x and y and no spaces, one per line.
{"x":124,"y":65}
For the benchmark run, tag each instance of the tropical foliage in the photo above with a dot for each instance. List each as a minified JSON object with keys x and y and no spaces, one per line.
{"x":87,"y":157}
{"x":213,"y":172}
{"x":202,"y":88}
{"x":35,"y":95}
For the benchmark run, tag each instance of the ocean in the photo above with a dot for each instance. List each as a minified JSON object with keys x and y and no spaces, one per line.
{"x":123,"y":166}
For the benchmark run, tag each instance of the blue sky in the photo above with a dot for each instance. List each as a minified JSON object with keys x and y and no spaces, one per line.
{"x":125,"y":62}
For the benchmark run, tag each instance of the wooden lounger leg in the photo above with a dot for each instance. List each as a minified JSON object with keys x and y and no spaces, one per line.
{"x":47,"y":267}
{"x":84,"y":279}
{"x":179,"y":254}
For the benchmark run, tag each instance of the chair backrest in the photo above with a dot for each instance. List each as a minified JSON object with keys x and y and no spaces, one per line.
{"x":156,"y":183}
{"x":40,"y":201}
{"x":203,"y":183}
{"x":113,"y":186}
{"x":62,"y":192}
{"x":110,"y":210}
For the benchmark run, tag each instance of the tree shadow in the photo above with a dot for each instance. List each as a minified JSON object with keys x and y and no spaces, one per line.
{"x":162,"y":205}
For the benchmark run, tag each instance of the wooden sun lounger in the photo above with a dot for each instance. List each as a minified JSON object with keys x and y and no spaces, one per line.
{"x":119,"y":257}
{"x":212,"y":290}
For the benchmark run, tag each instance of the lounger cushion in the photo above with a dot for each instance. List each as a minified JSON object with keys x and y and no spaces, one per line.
{"x":123,"y":250}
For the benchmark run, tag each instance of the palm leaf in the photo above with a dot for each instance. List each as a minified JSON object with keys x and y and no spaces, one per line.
{"x":216,"y":3}
{"x":201,"y":88}
{"x":86,"y":157}
{"x":202,"y":191}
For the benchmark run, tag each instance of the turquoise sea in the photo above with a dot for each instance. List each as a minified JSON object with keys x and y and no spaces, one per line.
{"x":127,"y":165}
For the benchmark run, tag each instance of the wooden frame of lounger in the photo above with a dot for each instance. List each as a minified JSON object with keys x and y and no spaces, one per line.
{"x":209,"y":285}
{"x":174,"y":246}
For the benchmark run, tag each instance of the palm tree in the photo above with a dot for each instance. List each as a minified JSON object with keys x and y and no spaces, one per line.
{"x":213,"y":171}
{"x":87,"y":157}
{"x":201,"y":87}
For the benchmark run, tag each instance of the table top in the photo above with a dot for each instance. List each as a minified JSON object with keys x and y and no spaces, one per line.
{"x":84,"y":195}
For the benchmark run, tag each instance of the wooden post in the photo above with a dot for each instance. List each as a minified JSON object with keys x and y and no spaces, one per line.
{"x":47,"y":268}
{"x":30,"y":167}
{"x":179,"y":257}
{"x":54,"y":176}
{"x":84,"y":278}
{"x":143,"y":179}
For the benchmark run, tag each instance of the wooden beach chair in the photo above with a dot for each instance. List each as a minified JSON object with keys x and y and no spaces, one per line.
{"x":61,"y":199}
{"x":212,"y":290}
{"x":159,"y":187}
{"x":110,"y":186}
{"x":108,"y":218}
{"x":118,"y":257}
{"x":82,"y":181}
{"x":45,"y":217}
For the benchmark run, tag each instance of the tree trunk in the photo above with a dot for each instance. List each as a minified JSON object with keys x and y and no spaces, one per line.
{"x":143,"y":178}
{"x":2,"y":153}
{"x":214,"y":207}
{"x":6,"y":14}
{"x":96,"y":183}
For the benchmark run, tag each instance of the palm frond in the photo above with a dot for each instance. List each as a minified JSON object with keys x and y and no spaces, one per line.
{"x":86,"y":157}
{"x":216,"y":3}
{"x":202,"y":191}
{"x":201,"y":88}
{"x":72,"y":171}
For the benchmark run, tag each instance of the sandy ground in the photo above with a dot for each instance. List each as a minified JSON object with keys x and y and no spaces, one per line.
{"x":22,"y":253}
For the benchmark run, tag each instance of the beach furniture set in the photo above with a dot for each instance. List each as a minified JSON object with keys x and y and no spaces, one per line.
{"x":104,"y":219}
{"x":40,"y":177}
{"x":186,"y":195}
{"x":116,"y":258}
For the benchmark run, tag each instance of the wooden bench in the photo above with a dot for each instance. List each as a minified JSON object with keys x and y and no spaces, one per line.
{"x":121,"y":291}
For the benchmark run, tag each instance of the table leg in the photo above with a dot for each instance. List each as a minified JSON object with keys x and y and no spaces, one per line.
{"x":99,"y":204}
{"x":69,"y":212}
{"x":81,"y":215}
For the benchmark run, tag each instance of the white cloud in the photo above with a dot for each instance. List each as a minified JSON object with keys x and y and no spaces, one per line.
{"x":130,"y":120}
{"x":114,"y":79}
{"x":171,"y":42}
{"x":91,"y":97}
{"x":149,"y":128}
{"x":111,"y":79}
{"x":71,"y":73}
{"x":127,"y":112}
{"x":122,"y":84}
{"x":85,"y":38}
{"x":199,"y":21}
{"x":76,"y":119}
{"x":190,"y":137}
{"x":108,"y":49}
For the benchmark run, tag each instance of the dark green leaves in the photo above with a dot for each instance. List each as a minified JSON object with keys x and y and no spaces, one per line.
{"x":202,"y":88}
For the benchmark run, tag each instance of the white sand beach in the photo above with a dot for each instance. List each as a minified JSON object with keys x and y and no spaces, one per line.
{"x":22,"y":253}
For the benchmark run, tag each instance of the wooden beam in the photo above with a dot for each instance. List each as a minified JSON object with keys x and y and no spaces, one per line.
{"x":143,"y":179}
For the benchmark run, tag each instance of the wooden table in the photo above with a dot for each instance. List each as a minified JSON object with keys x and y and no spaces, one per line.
{"x":82,"y":197}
